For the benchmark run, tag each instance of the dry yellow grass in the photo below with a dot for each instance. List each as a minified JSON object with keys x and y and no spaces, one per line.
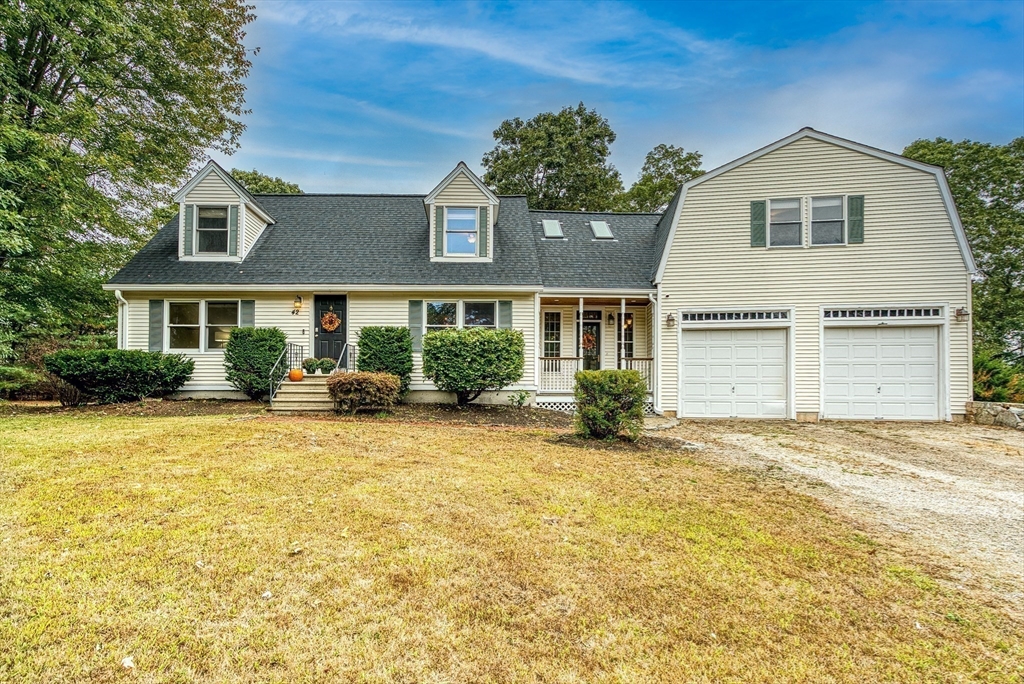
{"x":442,"y":554}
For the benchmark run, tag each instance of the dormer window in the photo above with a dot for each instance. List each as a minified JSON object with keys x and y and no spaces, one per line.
{"x":212,"y":230}
{"x":460,"y":231}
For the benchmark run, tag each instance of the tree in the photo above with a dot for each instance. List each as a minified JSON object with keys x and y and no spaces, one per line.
{"x":559,"y":161}
{"x":104,"y":106}
{"x":987,"y":182}
{"x":666,"y":167}
{"x":260,"y":183}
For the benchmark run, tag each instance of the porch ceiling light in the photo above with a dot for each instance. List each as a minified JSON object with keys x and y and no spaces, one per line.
{"x":297,"y":305}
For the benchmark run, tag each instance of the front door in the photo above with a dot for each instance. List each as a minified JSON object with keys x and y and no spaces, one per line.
{"x":329,"y":326}
{"x":590,"y":343}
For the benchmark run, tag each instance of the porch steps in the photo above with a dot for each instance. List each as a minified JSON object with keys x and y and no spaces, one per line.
{"x":310,"y":394}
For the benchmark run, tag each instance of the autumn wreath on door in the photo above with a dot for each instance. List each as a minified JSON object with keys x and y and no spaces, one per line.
{"x":330,"y":322}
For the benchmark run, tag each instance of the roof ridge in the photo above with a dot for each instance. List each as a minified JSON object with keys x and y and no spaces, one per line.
{"x":337,"y":194}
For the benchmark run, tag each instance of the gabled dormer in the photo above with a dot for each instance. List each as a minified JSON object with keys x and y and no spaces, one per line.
{"x":462,"y":212}
{"x":218,"y":219}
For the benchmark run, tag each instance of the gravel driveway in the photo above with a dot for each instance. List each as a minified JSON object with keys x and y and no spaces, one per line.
{"x":952,"y":491}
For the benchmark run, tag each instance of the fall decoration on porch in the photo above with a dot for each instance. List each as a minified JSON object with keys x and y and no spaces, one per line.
{"x":330,"y":322}
{"x":295,"y":374}
{"x":589,"y":341}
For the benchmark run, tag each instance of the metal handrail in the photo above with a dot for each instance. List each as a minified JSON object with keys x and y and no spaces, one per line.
{"x":289,"y":351}
{"x":346,"y":350}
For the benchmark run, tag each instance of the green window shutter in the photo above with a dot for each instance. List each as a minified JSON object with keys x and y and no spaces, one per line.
{"x":156,"y":325}
{"x":247,"y":315}
{"x":190,"y":213}
{"x":416,"y":324}
{"x":233,"y":230}
{"x":482,"y":233}
{"x":855,"y":209}
{"x":505,"y":314}
{"x":439,"y":231}
{"x":758,"y":218}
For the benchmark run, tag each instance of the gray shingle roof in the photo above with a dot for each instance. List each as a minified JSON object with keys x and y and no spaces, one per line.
{"x":383,"y":240}
{"x":664,"y":227}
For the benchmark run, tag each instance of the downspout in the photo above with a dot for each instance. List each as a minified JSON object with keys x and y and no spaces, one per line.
{"x":122,"y":332}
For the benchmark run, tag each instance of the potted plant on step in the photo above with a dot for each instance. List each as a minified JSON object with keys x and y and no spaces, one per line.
{"x":311,"y":365}
{"x":327,"y":366}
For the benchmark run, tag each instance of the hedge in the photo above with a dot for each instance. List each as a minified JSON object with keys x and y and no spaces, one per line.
{"x":610,"y":403}
{"x":471,"y":361}
{"x":352,"y":391}
{"x":385,"y":349}
{"x":119,"y":375}
{"x":249,"y":357}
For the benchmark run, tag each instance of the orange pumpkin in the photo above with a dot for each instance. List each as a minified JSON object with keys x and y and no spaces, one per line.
{"x":295,"y":374}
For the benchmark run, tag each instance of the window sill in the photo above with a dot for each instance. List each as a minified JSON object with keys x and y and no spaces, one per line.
{"x":462,"y":259}
{"x":210,"y":257}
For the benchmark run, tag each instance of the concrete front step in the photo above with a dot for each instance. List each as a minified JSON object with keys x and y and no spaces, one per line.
{"x":284,"y":406}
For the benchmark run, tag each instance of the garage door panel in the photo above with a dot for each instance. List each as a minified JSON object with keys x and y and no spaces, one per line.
{"x":886,"y":372}
{"x":743,"y":373}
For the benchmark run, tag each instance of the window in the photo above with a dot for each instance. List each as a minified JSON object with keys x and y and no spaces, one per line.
{"x":625,"y":335}
{"x":601,"y":230}
{"x":442,"y":315}
{"x":460,"y":231}
{"x":479,"y":315}
{"x":552,"y":228}
{"x":212,"y":230}
{"x":552,"y":333}
{"x":183,"y":325}
{"x":786,"y":226}
{"x":827,"y":224}
{"x":221,"y":319}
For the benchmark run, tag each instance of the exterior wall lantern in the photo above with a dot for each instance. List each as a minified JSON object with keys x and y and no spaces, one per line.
{"x":297,"y":305}
{"x":670,"y":320}
{"x":962,"y":315}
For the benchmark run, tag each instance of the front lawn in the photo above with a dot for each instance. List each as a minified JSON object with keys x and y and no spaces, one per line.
{"x":252,"y":548}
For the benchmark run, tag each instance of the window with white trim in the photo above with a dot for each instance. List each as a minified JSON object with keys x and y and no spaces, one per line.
{"x":828,"y":221}
{"x":221,"y":319}
{"x":212,"y":230}
{"x":480,"y":314}
{"x":785,"y":225}
{"x":460,"y":231}
{"x":442,"y":315}
{"x":183,"y":331}
{"x":552,"y":333}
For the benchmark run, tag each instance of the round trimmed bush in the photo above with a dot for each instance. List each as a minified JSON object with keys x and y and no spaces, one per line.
{"x":471,"y":361}
{"x":120,"y":375}
{"x":249,"y":357}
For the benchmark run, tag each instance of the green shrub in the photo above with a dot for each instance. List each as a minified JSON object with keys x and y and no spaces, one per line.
{"x":118,"y":375}
{"x":610,"y":403}
{"x":327,"y":366}
{"x":471,"y":361}
{"x":310,"y":365}
{"x":995,"y":379}
{"x":15,"y":379}
{"x":384,"y":349}
{"x":352,"y":391}
{"x":249,"y":357}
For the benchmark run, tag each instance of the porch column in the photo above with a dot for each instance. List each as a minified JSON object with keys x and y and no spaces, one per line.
{"x":579,"y":336}
{"x":620,"y":334}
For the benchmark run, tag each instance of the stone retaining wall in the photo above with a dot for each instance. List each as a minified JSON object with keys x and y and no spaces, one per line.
{"x":993,"y":413}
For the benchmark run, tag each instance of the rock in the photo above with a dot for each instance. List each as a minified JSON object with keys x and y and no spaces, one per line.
{"x":1007,"y":418}
{"x":984,"y":417}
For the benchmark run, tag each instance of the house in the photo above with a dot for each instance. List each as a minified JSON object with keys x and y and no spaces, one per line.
{"x":813,"y":278}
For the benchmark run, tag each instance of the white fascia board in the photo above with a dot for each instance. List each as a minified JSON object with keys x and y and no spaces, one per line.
{"x":317,"y":287}
{"x":936,"y":171}
{"x":576,"y":292}
{"x":463,"y":169}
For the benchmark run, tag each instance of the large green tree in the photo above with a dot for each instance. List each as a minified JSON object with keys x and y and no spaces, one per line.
{"x":666,"y":167}
{"x":104,"y":106}
{"x":260,"y":183}
{"x":987,"y":182}
{"x":558,"y":160}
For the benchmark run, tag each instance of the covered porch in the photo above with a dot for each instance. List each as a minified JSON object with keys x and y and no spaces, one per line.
{"x":611,"y":333}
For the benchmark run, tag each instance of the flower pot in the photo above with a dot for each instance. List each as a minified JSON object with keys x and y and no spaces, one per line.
{"x":295,"y":374}
{"x":318,"y":372}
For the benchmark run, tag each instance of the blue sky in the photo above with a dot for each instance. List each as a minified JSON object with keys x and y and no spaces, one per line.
{"x":388,"y":97}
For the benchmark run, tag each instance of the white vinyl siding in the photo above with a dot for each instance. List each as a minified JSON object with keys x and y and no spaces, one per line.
{"x":909,"y":256}
{"x":272,"y":309}
{"x":462,"y":192}
{"x":212,"y":190}
{"x":253,"y":228}
{"x":373,"y":308}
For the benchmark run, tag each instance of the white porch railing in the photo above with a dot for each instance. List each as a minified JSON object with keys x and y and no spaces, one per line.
{"x":558,"y":373}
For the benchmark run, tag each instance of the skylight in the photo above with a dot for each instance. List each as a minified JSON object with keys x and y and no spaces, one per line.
{"x":601,"y":230}
{"x":552,"y":228}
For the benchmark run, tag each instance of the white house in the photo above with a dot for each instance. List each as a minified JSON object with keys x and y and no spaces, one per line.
{"x":813,"y":278}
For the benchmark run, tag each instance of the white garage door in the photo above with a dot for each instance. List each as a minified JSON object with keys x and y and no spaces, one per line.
{"x":882,"y":373}
{"x":733,"y":373}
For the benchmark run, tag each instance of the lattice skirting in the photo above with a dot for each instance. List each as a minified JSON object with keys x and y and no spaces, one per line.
{"x":570,"y":406}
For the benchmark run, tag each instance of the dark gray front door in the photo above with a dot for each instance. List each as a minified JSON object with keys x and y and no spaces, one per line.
{"x":591,"y":345}
{"x":329,"y":326}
